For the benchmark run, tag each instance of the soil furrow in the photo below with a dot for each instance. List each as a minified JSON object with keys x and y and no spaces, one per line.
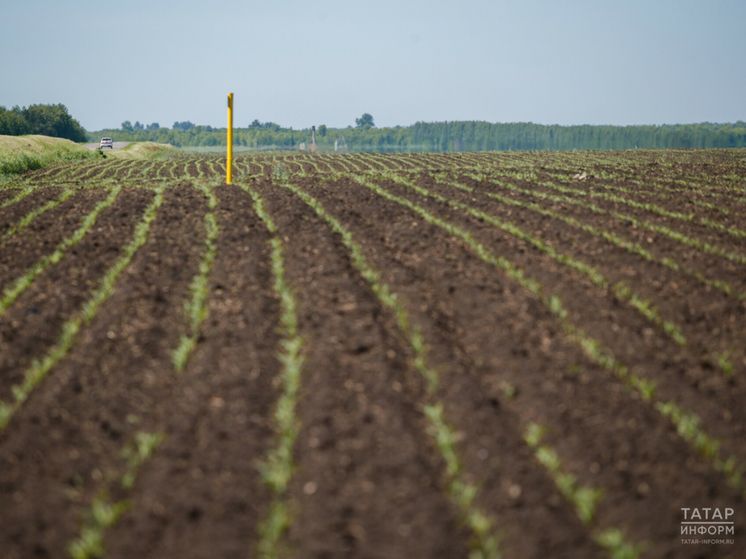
{"x":487,"y":431}
{"x":108,"y":387}
{"x":710,"y":265}
{"x":367,"y":482}
{"x":44,"y":234}
{"x":219,"y":414}
{"x":646,"y":351}
{"x":32,"y":324}
{"x":712,"y":322}
{"x":524,"y":364}
{"x":13,"y":213}
{"x":715,"y":234}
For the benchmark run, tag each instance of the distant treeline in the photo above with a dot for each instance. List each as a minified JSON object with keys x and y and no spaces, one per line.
{"x":445,"y":136}
{"x":47,"y":120}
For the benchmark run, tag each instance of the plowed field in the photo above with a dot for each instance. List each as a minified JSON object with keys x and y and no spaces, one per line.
{"x":374,"y":356}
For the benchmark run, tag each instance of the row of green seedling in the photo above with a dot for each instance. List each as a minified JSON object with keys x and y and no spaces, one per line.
{"x":583,"y":498}
{"x":613,"y":238}
{"x":40,"y":368}
{"x":677,"y":236}
{"x":688,"y":425}
{"x":104,"y":512}
{"x":620,"y":290}
{"x":23,"y":192}
{"x":658,"y":192}
{"x":644,"y":206}
{"x":22,"y":283}
{"x":196,"y":308}
{"x":31,"y":216}
{"x":461,"y":492}
{"x":277,"y":467}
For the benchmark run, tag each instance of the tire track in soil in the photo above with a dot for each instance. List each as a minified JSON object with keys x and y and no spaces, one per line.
{"x":494,"y":454}
{"x":32,"y":324}
{"x":637,"y":459}
{"x":65,"y":442}
{"x":647,"y":353}
{"x":200,"y":495}
{"x":367,"y":481}
{"x":42,"y":236}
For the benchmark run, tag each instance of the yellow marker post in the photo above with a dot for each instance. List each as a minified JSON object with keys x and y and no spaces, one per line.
{"x":229,"y":151}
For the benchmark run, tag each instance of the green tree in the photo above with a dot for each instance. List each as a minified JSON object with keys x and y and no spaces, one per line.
{"x":186,"y":125}
{"x":322,"y":130}
{"x":53,"y":120}
{"x":12,"y":122}
{"x":365,"y":121}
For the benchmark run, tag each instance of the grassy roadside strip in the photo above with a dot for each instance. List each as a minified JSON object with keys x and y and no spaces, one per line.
{"x":629,"y":246}
{"x":19,"y":154}
{"x":14,"y":290}
{"x":196,"y":306}
{"x":462,"y":493}
{"x":104,"y":512}
{"x":39,"y":369}
{"x":27,"y":219}
{"x":583,"y":498}
{"x":619,"y":289}
{"x":677,"y":236}
{"x":277,"y":467}
{"x":688,"y":425}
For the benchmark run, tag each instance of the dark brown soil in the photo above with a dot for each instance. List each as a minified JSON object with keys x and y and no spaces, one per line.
{"x":64,"y":445}
{"x":219,"y":425}
{"x":504,"y":337}
{"x":368,"y":480}
{"x":635,"y":341}
{"x":33,"y":323}
{"x":42,"y":236}
{"x":13,"y":213}
{"x":713,"y":322}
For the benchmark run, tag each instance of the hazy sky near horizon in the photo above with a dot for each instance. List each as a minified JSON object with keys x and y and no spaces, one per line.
{"x":299,"y":63}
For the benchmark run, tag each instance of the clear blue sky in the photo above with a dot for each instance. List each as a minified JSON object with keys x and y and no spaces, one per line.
{"x":327,"y":61}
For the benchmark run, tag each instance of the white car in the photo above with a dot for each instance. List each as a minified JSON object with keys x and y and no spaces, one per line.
{"x":106,"y":143}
